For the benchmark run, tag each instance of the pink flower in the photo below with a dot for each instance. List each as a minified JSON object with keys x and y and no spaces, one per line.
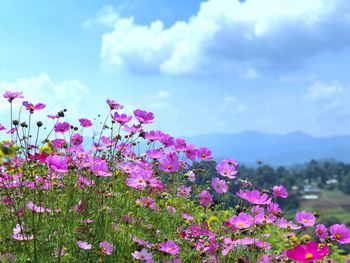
{"x":121,"y":118}
{"x":113,"y":105}
{"x":59,"y":143}
{"x":2,"y":127}
{"x":254,"y":197}
{"x":340,"y":233}
{"x":11,"y":95}
{"x":62,"y":127}
{"x":37,"y":209}
{"x":170,"y":163}
{"x":169,"y":247}
{"x":205,"y":198}
{"x":136,"y":181}
{"x":106,"y":248}
{"x":143,"y":117}
{"x":241,"y":221}
{"x":77,"y":139}
{"x":204,"y":154}
{"x":219,"y":186}
{"x":155,"y":153}
{"x":18,"y":235}
{"x":85,"y":123}
{"x":183,"y":191}
{"x":100,"y":168}
{"x":57,"y":163}
{"x":31,"y":107}
{"x":226,"y":170}
{"x":147,"y":201}
{"x":279,"y":191}
{"x":305,"y":218}
{"x":308,"y":252}
{"x":143,"y":255}
{"x":321,"y":231}
{"x":84,"y":245}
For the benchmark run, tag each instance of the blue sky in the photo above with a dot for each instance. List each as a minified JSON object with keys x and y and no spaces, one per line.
{"x":200,"y":66}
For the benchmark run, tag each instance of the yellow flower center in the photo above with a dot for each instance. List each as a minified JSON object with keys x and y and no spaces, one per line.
{"x":338,"y":236}
{"x":168,"y":249}
{"x":169,"y":167}
{"x":305,"y":220}
{"x":140,"y":180}
{"x":309,"y":256}
{"x":104,"y":249}
{"x":240,"y":223}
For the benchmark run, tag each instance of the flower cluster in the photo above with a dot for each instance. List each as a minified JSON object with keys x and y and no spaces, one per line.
{"x":126,"y":192}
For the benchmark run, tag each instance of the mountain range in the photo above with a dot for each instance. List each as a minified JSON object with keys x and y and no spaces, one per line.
{"x":274,"y":149}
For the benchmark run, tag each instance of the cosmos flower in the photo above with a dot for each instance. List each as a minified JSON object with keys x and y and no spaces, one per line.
{"x":84,"y":245}
{"x":241,"y":221}
{"x":143,"y":117}
{"x":62,"y":127}
{"x":121,"y":118}
{"x":11,"y":95}
{"x":85,"y":123}
{"x":57,"y":163}
{"x":226,"y":169}
{"x":113,"y":105}
{"x":279,"y":191}
{"x":340,"y":233}
{"x":254,"y":197}
{"x":143,"y":255}
{"x":219,"y":186}
{"x":106,"y":248}
{"x":169,"y":247}
{"x":321,"y":231}
{"x":308,"y":252}
{"x":305,"y":218}
{"x":205,"y":198}
{"x":31,"y":107}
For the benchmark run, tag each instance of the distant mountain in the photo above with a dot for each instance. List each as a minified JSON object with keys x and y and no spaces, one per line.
{"x":274,"y":149}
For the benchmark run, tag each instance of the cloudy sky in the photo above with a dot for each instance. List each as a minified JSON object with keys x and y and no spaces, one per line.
{"x":200,"y":66}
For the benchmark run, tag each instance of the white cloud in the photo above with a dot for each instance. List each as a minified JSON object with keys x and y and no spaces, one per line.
{"x":231,"y":105}
{"x":256,"y":34}
{"x":41,"y":88}
{"x":332,"y":96}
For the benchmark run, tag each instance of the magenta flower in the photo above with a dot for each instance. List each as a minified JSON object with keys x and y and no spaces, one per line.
{"x":143,"y":255}
{"x":279,"y":191}
{"x":254,"y":197}
{"x":121,"y":118}
{"x":305,"y":218}
{"x":85,"y":123}
{"x":205,"y":198}
{"x":57,"y":163}
{"x":59,"y":143}
{"x":137,"y":181}
{"x":155,"y":153}
{"x":226,"y":169}
{"x":219,"y":186}
{"x":113,"y":105}
{"x":100,"y":168}
{"x":169,"y":164}
{"x":147,"y":201}
{"x":10,"y":96}
{"x":106,"y":248}
{"x":321,"y":231}
{"x":204,"y":154}
{"x":62,"y":127}
{"x":169,"y":247}
{"x":77,"y":139}
{"x":143,"y":117}
{"x":84,"y":245}
{"x":184,"y":191}
{"x":2,"y":127}
{"x":308,"y":252}
{"x":31,"y":107}
{"x":241,"y":221}
{"x":340,"y":233}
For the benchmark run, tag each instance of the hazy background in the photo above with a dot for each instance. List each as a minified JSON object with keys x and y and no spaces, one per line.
{"x":274,"y":73}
